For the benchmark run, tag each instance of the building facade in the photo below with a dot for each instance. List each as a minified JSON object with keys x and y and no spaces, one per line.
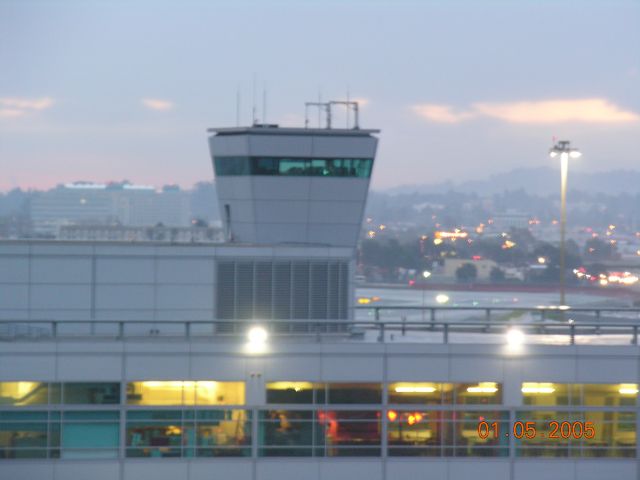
{"x":204,"y":408}
{"x":100,"y":204}
{"x":130,"y":361}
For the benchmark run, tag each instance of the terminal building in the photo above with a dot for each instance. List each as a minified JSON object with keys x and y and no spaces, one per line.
{"x":245,"y":360}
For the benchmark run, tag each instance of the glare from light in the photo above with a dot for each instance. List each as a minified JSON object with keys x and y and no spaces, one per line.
{"x":257,"y":335}
{"x":257,"y":340}
{"x":628,"y":389}
{"x":442,"y":298}
{"x":553,"y":154}
{"x":515,"y":338}
{"x":542,"y":260}
{"x":426,"y":274}
{"x":483,"y":387}
{"x":575,"y":154}
{"x":539,"y":388}
{"x":415,"y":389}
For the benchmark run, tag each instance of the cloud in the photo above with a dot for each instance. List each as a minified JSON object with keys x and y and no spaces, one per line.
{"x":586,"y":110}
{"x":11,"y":113}
{"x":441,"y":113}
{"x":157,"y":104}
{"x":362,"y":101}
{"x":13,"y":107}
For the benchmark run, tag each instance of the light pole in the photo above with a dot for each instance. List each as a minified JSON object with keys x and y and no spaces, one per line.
{"x":563,"y":148}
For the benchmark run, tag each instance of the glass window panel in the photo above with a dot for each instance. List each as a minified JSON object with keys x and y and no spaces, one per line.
{"x":613,"y":431}
{"x":339,"y":167}
{"x":54,"y":437}
{"x":90,"y":440}
{"x":55,"y":393}
{"x":482,"y":393}
{"x":362,"y":167}
{"x":292,"y":392}
{"x":542,"y":445}
{"x":294,"y":166}
{"x":467,"y":440}
{"x":219,"y":393}
{"x":154,"y":439}
{"x":350,"y":433}
{"x":185,"y":393}
{"x":343,"y":167}
{"x":222,"y":433}
{"x":264,"y":166}
{"x":231,"y":165}
{"x":91,"y":393}
{"x":360,"y":393}
{"x":609,"y":395}
{"x":545,"y":393}
{"x":24,"y":393}
{"x":425,"y":393}
{"x":22,"y":436}
{"x":320,"y":168}
{"x":415,"y":433}
{"x":155,"y":393}
{"x":286,"y":433}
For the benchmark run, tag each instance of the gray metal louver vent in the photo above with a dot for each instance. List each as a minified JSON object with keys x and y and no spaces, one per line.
{"x":282,"y":290}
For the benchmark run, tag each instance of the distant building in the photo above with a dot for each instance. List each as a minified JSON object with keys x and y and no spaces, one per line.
{"x":483,"y":266}
{"x":511,"y":219}
{"x":121,"y":203}
{"x":158,"y":233}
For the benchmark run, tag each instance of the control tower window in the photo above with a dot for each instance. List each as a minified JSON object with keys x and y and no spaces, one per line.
{"x":307,"y":167}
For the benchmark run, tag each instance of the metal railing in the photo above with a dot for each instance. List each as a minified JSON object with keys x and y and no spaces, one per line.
{"x":486,"y":325}
{"x":491,"y":313}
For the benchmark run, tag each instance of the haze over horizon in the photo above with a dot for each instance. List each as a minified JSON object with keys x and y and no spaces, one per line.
{"x":104,"y":91}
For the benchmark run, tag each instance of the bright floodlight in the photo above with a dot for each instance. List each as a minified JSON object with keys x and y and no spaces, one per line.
{"x":257,"y":343}
{"x":257,"y":335}
{"x":442,"y":298}
{"x":515,"y":338}
{"x":426,"y":274}
{"x":562,"y":148}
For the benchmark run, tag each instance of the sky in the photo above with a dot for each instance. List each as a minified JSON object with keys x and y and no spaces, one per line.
{"x":111,"y":90}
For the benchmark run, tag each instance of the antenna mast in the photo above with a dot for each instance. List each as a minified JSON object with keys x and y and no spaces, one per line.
{"x":238,"y":105}
{"x":253,"y":106}
{"x":264,"y":102}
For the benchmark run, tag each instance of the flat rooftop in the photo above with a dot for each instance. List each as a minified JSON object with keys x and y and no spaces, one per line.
{"x":276,"y":130}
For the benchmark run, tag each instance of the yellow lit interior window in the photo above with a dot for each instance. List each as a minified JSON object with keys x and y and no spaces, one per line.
{"x":408,"y":388}
{"x":296,"y":386}
{"x":219,"y":393}
{"x":203,"y":392}
{"x":483,"y":388}
{"x":547,"y":393}
{"x":23,"y":393}
{"x":531,"y":388}
{"x":630,"y":389}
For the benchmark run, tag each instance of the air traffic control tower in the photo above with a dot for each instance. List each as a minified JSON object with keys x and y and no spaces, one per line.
{"x":292,"y":202}
{"x":304,"y":186}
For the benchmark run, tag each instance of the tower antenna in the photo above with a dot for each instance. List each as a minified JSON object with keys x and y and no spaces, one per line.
{"x":319,"y":111}
{"x":264,"y":102}
{"x":238,"y":105}
{"x":253,"y":106}
{"x":347,"y":125}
